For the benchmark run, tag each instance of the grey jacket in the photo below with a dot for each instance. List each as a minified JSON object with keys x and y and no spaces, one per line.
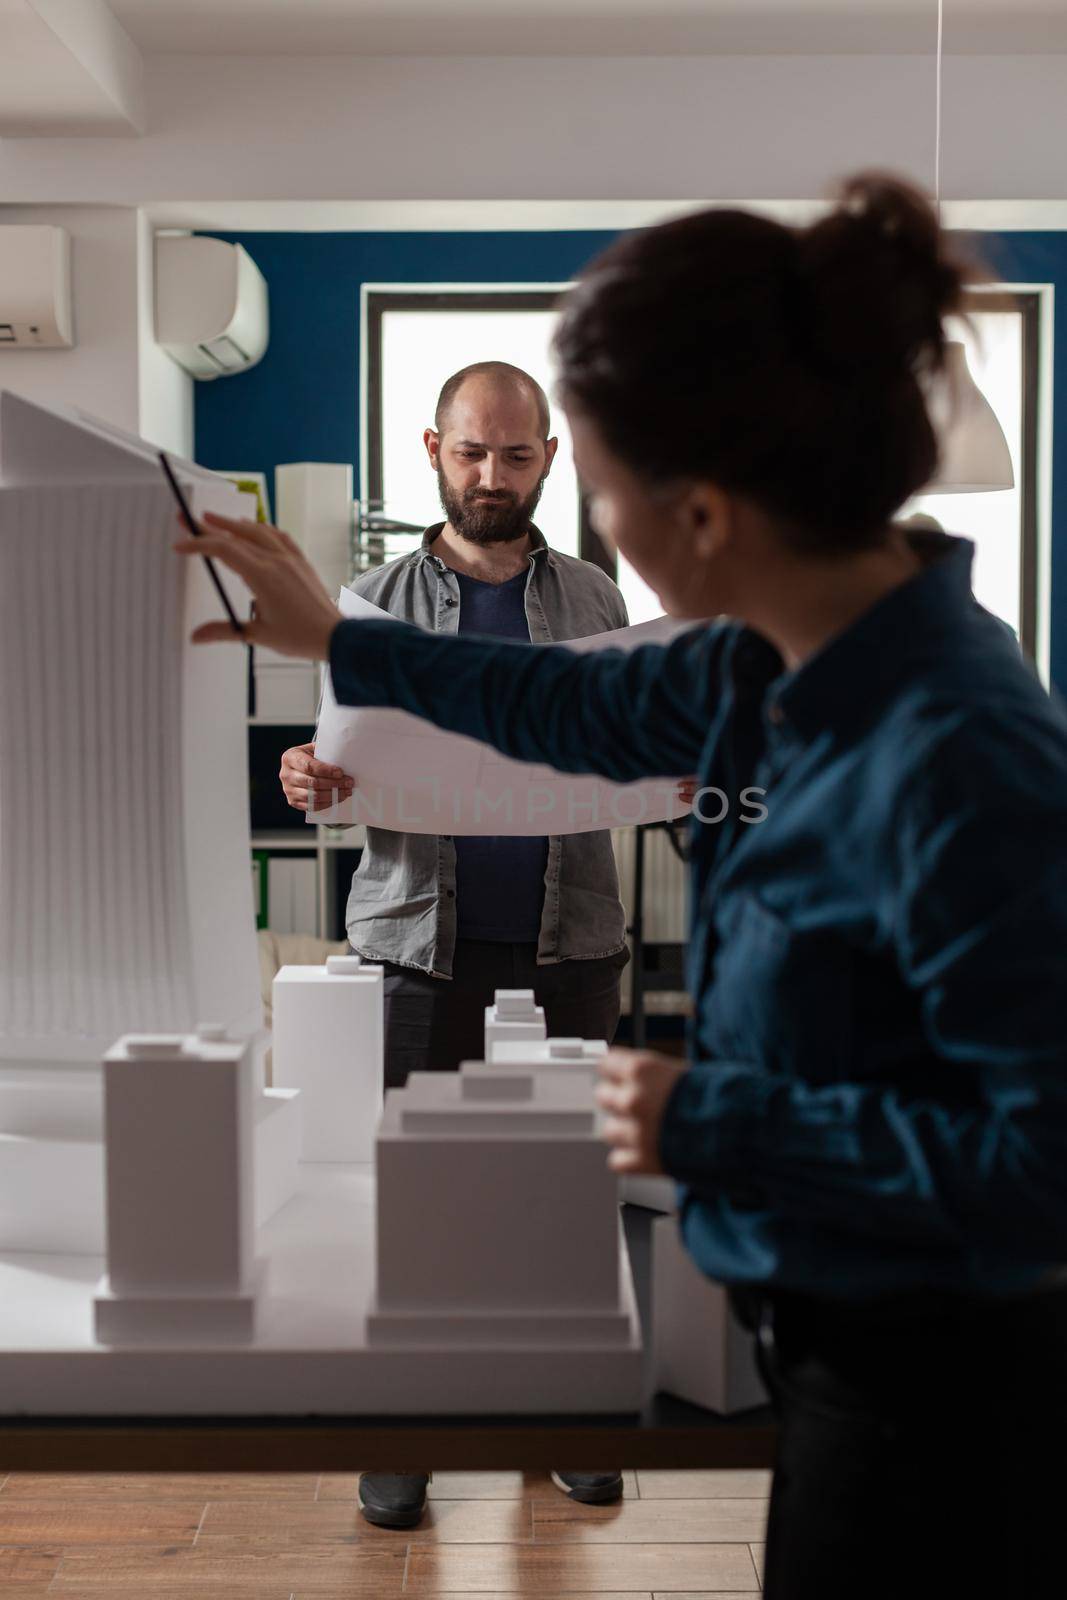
{"x":402,"y":906}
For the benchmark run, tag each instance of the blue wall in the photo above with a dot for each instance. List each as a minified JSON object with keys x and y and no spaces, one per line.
{"x":301,"y":403}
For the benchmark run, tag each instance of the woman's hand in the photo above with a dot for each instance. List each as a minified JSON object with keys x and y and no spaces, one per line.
{"x":635,"y":1086}
{"x":294,"y":613}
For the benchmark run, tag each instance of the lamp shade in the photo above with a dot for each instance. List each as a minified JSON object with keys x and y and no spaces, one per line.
{"x":973,"y":452}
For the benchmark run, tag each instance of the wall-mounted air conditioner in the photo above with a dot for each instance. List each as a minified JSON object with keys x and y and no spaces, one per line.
{"x":211,"y":305}
{"x":35,"y":287}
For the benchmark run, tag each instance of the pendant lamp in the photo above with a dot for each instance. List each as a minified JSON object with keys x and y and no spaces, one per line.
{"x":973,"y":454}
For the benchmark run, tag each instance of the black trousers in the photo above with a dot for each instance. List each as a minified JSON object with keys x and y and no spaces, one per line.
{"x":921,"y":1448}
{"x":432,"y":1024}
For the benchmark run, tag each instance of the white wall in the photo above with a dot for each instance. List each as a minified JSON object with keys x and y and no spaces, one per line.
{"x":745,"y":127}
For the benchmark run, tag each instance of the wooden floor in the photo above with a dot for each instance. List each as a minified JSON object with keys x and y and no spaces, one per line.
{"x":687,"y":1535}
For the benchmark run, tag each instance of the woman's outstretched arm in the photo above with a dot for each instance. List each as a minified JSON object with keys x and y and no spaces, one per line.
{"x":645,"y":713}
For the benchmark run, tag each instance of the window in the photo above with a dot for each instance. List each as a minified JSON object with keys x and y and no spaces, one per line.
{"x":1002,"y":352}
{"x":417,"y":340}
{"x":414,"y":340}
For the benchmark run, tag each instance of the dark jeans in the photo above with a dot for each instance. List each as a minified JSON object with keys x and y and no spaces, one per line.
{"x":432,"y":1024}
{"x":920,"y":1449}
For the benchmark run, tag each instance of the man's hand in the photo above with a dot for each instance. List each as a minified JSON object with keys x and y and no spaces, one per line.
{"x":294,"y":614}
{"x":635,"y":1086}
{"x":303,"y":777}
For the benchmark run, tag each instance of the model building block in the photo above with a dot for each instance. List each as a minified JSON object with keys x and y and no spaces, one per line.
{"x":514,"y":1015}
{"x":497,"y":1217}
{"x":329,"y":1044}
{"x":178,"y":1118}
{"x":557,"y":1055}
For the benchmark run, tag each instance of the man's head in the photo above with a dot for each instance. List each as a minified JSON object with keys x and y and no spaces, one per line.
{"x":491,"y":451}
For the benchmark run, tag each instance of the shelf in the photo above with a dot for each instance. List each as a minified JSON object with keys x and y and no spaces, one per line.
{"x":353,"y":838}
{"x":281,"y":722}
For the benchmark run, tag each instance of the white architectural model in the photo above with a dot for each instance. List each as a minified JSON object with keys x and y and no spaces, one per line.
{"x":329,"y":1044}
{"x":513,"y":1016}
{"x":569,"y":1055}
{"x":125,"y":895}
{"x":497,"y":1216}
{"x":701,"y":1352}
{"x":552,"y":1055}
{"x":180,"y":1212}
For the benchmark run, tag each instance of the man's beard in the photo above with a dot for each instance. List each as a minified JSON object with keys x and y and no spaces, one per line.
{"x":498,"y":517}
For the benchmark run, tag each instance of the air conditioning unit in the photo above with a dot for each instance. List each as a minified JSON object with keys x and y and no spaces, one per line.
{"x":211,"y":305}
{"x":35,"y":287}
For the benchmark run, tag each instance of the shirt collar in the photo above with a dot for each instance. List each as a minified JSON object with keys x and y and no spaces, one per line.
{"x":859,"y":669}
{"x":538,"y":545}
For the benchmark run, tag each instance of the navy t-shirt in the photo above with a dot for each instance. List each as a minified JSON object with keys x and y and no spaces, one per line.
{"x":500,"y":881}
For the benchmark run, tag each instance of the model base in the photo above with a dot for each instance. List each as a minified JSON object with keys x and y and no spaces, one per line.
{"x":611,"y":1328}
{"x":310,"y":1354}
{"x":169,"y":1319}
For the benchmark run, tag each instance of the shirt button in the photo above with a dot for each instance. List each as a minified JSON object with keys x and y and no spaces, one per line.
{"x":450,"y":894}
{"x":775,"y":714}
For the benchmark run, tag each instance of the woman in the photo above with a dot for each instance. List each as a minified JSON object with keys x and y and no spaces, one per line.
{"x":872,"y":1129}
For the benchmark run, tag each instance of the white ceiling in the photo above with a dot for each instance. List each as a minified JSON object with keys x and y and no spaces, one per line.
{"x":593,"y":27}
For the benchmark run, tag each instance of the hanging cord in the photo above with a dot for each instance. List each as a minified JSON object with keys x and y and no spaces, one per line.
{"x":937,"y":111}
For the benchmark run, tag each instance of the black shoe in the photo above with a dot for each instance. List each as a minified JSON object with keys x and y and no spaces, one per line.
{"x":393,"y":1499}
{"x":591,"y":1488}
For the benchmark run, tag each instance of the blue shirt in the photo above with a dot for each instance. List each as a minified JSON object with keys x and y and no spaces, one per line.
{"x":878,"y":1091}
{"x":500,"y":881}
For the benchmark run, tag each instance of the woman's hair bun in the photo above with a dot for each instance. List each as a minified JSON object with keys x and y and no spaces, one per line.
{"x":876,"y":281}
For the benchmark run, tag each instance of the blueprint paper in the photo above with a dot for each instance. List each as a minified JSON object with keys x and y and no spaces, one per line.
{"x":414,"y":778}
{"x":125,"y":895}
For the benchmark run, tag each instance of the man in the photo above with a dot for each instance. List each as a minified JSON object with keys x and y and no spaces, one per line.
{"x":454,"y":919}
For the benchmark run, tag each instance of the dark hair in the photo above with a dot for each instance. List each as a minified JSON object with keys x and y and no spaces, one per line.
{"x":493,"y":369}
{"x":781,"y":363}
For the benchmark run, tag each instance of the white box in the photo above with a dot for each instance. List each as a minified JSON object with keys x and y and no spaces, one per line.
{"x":476,"y":1222}
{"x":700,"y":1351}
{"x":514,"y":1015}
{"x":179,"y":1133}
{"x":313,"y":502}
{"x":178,"y":1129}
{"x":329,"y":1044}
{"x":287,"y":694}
